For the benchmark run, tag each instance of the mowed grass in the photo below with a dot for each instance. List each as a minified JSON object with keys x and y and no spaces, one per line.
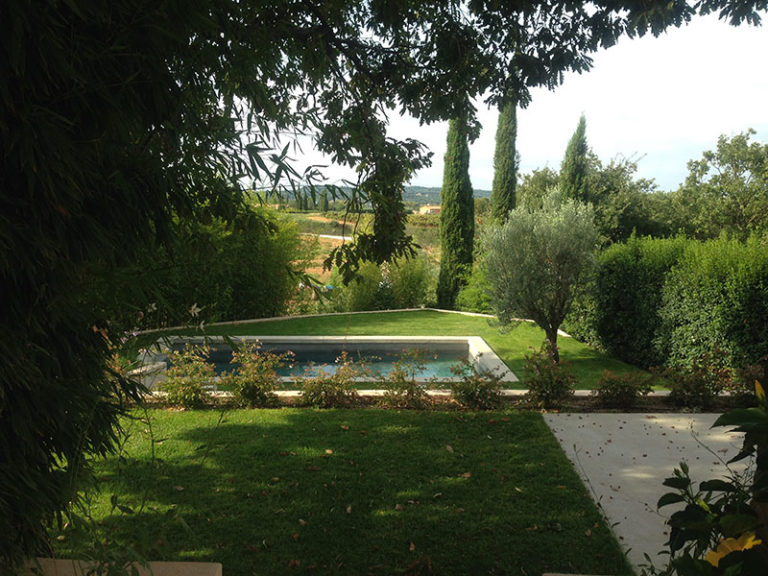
{"x":512,"y":345}
{"x":355,"y":492}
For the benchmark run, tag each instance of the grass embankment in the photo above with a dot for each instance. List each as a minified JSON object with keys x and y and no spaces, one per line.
{"x":512,"y":346}
{"x":355,"y":492}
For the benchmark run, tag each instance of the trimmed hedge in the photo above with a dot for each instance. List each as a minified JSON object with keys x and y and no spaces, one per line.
{"x":672,"y":302}
{"x":716,"y":300}
{"x":622,"y":308}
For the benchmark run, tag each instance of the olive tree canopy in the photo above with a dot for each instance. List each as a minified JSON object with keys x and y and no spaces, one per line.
{"x":535,"y":258}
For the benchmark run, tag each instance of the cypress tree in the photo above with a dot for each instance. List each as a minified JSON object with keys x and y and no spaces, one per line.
{"x":575,"y":166}
{"x":457,"y":216}
{"x":504,"y":189}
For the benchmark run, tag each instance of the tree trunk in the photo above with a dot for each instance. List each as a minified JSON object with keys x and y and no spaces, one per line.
{"x":552,"y":343}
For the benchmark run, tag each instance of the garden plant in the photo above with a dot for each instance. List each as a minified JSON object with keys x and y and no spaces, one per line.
{"x":722,"y":528}
{"x":254,"y":380}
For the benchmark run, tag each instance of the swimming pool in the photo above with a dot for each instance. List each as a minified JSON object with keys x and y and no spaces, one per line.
{"x":314,"y":353}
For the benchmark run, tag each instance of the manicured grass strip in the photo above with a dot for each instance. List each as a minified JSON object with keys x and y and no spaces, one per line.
{"x":358,"y":492}
{"x":511,"y":346}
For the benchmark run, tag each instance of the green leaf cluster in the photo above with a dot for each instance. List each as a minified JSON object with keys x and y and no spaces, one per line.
{"x":681,"y":303}
{"x":716,"y":298}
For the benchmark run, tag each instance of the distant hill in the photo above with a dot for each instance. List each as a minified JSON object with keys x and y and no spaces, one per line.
{"x":414,"y":194}
{"x":430,"y":195}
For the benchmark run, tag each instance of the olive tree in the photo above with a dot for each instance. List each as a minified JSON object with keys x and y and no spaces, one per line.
{"x":535,"y":258}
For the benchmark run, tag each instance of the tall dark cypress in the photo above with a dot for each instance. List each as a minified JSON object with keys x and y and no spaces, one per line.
{"x":457,"y":216}
{"x":504,"y":189}
{"x":575,"y":166}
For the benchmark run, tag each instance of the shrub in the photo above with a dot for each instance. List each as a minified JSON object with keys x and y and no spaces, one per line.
{"x":188,"y":376}
{"x":244,"y":269}
{"x":717,"y":298}
{"x":627,"y":295}
{"x":475,"y":295}
{"x":406,"y":283}
{"x":401,"y":390}
{"x":743,"y":384}
{"x":255,"y":378}
{"x":475,"y":390}
{"x":698,"y":384}
{"x":333,"y":390}
{"x":370,"y":290}
{"x":549,"y":382}
{"x":622,"y":390}
{"x":412,"y":280}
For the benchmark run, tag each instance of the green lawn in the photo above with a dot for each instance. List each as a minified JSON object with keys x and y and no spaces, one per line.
{"x":511,"y":346}
{"x":355,"y":492}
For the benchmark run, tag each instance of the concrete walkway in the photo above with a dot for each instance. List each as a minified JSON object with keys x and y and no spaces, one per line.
{"x":623,"y":459}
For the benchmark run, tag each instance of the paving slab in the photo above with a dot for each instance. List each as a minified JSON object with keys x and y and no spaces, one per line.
{"x":623,"y":459}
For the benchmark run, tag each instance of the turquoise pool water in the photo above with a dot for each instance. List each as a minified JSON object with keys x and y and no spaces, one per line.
{"x":309,"y":363}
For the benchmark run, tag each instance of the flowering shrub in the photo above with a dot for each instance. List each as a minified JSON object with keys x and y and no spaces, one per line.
{"x":255,"y":378}
{"x":401,"y":390}
{"x":333,"y":390}
{"x":621,"y":390}
{"x":474,"y":390}
{"x":186,"y":377}
{"x":549,"y":382}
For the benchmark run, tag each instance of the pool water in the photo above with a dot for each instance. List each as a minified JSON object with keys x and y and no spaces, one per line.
{"x":309,"y":364}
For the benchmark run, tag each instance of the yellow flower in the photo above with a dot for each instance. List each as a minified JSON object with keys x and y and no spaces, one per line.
{"x":759,"y":391}
{"x":744,"y":542}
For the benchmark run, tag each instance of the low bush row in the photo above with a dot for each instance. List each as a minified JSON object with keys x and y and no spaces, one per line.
{"x":254,"y":381}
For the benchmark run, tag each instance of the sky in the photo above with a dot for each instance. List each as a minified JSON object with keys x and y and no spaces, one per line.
{"x":658,"y":101}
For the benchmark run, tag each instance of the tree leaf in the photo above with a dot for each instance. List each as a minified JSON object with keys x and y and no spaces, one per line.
{"x":669,"y":498}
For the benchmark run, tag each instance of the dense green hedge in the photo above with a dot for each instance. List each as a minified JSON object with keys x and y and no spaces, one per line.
{"x":246,"y":269}
{"x":716,"y":301}
{"x":627,"y":294}
{"x":656,"y":302}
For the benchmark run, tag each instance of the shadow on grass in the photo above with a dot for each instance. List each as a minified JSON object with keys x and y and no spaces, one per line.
{"x":360,"y":491}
